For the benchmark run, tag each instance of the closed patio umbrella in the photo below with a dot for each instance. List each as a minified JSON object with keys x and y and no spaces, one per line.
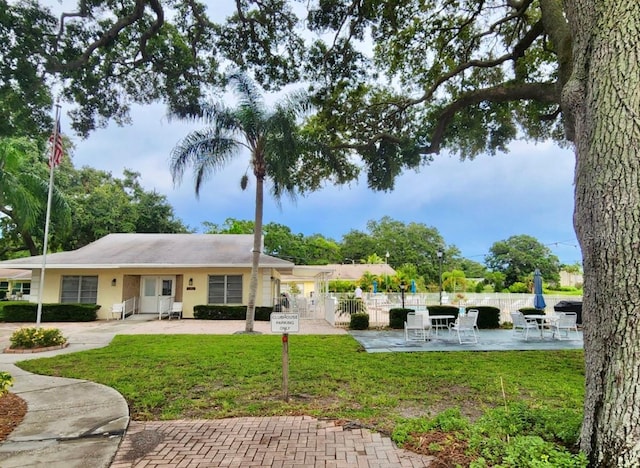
{"x":538,"y":298}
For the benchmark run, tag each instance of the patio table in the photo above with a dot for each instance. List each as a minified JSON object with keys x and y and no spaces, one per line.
{"x":440,"y":321}
{"x":542,"y":320}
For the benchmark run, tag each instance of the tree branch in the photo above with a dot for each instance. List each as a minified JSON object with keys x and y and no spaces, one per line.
{"x":111,"y":34}
{"x":541,"y":92}
{"x":557,"y":28}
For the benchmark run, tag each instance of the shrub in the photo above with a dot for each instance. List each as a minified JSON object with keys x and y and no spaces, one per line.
{"x":398,"y":316}
{"x":27,"y":312}
{"x":443,"y":310}
{"x":488,"y":316}
{"x":518,"y":287}
{"x":359,"y":321}
{"x":226,"y":312}
{"x":36,"y":337}
{"x":6,"y":381}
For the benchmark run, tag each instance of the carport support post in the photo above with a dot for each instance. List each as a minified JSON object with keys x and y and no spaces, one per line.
{"x":285,"y":366}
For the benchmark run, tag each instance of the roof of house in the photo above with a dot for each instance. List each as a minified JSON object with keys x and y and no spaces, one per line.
{"x":354,"y":271}
{"x":157,"y":251}
{"x":11,"y":274}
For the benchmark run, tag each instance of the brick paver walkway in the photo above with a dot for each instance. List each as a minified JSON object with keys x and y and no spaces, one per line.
{"x":285,"y":441}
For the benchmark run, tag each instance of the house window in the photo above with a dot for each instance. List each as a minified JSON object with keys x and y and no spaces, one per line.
{"x":79,"y":289}
{"x":24,"y":288}
{"x":225,"y":289}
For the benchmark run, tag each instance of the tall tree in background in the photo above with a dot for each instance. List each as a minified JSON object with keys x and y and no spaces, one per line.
{"x":280,"y":242}
{"x":413,"y":243}
{"x":272,"y":141}
{"x":518,"y":256}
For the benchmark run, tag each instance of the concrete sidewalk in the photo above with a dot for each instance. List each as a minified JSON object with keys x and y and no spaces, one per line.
{"x":69,"y":422}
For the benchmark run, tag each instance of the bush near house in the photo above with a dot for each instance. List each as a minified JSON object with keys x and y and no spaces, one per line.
{"x":225,"y":312}
{"x":36,"y":337}
{"x":27,"y":312}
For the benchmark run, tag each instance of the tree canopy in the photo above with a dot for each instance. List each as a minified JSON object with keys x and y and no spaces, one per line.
{"x":518,"y":256}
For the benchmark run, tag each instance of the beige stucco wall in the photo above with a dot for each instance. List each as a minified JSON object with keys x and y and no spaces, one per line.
{"x":306,"y":286}
{"x":127,"y":285}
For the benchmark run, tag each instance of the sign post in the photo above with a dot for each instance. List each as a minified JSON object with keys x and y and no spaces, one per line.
{"x":285,"y":323}
{"x":285,"y":366}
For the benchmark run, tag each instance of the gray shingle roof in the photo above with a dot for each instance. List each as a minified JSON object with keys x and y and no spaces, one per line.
{"x":157,"y":251}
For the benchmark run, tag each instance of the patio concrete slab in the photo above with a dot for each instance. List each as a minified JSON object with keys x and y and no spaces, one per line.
{"x":387,"y":341}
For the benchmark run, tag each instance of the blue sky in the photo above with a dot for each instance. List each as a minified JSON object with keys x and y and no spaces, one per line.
{"x":472,"y":203}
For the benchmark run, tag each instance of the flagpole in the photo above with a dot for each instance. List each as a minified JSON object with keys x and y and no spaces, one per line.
{"x":56,"y":128}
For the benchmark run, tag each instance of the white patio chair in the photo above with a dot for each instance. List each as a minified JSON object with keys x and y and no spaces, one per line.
{"x":522,"y":325}
{"x":565,"y":321}
{"x":474,"y":313}
{"x":176,"y":310}
{"x":414,"y":328}
{"x":465,"y":325}
{"x":426,"y":322}
{"x":116,"y":311}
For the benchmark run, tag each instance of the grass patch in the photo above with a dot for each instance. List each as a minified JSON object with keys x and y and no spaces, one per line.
{"x":216,"y":376}
{"x":449,"y":404}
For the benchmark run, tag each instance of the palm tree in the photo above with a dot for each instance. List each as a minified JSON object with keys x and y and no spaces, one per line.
{"x":274,"y":144}
{"x":23,"y":191}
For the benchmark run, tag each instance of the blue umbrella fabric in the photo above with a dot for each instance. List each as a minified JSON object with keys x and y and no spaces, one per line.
{"x":413,"y":286}
{"x":375,"y":286}
{"x":538,"y":298}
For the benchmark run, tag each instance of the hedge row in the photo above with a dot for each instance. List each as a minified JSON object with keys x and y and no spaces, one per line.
{"x":28,"y":311}
{"x":488,"y":317}
{"x":223,"y":312}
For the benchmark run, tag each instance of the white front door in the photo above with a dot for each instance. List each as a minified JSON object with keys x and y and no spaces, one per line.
{"x":154,"y":288}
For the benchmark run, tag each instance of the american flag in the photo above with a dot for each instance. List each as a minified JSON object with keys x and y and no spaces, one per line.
{"x":57,"y":151}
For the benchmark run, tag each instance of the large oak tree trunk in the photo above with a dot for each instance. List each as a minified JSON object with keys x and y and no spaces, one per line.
{"x":603,"y":96}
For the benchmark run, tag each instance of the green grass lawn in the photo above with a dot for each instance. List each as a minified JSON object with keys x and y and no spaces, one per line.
{"x":214,"y":376}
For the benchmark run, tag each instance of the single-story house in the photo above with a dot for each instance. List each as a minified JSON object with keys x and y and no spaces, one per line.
{"x":150,"y":271}
{"x":15,"y":284}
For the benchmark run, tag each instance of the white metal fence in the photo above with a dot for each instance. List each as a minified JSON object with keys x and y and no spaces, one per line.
{"x":378,"y":305}
{"x":304,"y":307}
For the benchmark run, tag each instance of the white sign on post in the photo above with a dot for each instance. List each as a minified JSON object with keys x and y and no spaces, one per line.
{"x":284,"y":323}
